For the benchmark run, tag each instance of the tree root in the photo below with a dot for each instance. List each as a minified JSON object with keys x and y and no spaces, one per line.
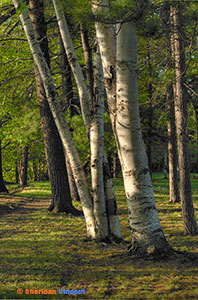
{"x":159,"y":250}
{"x":68,"y":210}
{"x":162,"y":254}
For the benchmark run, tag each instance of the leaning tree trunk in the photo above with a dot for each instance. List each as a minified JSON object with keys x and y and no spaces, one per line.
{"x":67,"y":98}
{"x":3,"y":188}
{"x":85,"y":104}
{"x":61,"y":124}
{"x":180,"y":100}
{"x":75,"y":66}
{"x":61,"y":199}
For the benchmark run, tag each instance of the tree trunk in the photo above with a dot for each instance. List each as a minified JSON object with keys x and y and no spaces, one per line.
{"x":84,"y":98}
{"x":111,"y":205}
{"x":97,"y":148}
{"x":3,"y":188}
{"x":61,"y":198}
{"x":16,"y":172}
{"x":88,"y":61}
{"x":68,"y":94}
{"x":67,"y":85}
{"x":61,"y":124}
{"x":25,"y":167}
{"x":72,"y":184}
{"x":107,"y":44}
{"x":172,"y":149}
{"x":75,"y":66}
{"x":147,"y":233}
{"x":195,"y":105}
{"x":180,"y":100}
{"x":106,"y":39}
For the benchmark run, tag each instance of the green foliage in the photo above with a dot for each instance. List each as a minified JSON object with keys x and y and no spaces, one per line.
{"x":79,"y":11}
{"x":109,"y":142}
{"x":18,"y":103}
{"x":124,"y":10}
{"x":80,"y":137}
{"x":21,"y":7}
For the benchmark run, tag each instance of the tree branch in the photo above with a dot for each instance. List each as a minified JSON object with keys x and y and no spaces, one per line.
{"x":190,"y":89}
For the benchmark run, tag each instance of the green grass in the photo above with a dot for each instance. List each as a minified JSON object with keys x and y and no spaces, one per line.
{"x":40,"y":189}
{"x":42,"y":250}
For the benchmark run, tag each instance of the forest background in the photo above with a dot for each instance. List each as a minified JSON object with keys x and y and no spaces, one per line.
{"x":19,"y":112}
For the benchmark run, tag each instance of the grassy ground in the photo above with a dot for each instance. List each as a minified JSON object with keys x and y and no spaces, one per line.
{"x":44,"y":252}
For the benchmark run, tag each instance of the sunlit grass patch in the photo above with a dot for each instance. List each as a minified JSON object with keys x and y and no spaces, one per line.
{"x":35,"y":191}
{"x":42,"y":250}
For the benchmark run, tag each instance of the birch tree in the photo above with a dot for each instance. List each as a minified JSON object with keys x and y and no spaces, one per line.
{"x":144,"y":219}
{"x":97,"y":147}
{"x":99,"y":205}
{"x":61,"y":198}
{"x":61,"y":124}
{"x":121,"y":87}
{"x":75,"y":66}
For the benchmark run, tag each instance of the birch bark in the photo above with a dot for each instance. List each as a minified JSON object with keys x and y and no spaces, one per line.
{"x":144,"y":221}
{"x":61,"y":124}
{"x":55,"y":157}
{"x":97,"y":149}
{"x":84,"y":100}
{"x":75,"y":66}
{"x":107,"y":44}
{"x":121,"y":88}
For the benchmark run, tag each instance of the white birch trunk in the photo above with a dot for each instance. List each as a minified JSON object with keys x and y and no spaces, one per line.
{"x":147,"y":234}
{"x":73,"y":61}
{"x":107,"y":44}
{"x":144,"y":221}
{"x":97,"y":149}
{"x":84,"y":101}
{"x":61,"y":124}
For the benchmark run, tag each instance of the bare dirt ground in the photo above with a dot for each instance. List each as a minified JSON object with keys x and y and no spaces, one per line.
{"x":12,"y":204}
